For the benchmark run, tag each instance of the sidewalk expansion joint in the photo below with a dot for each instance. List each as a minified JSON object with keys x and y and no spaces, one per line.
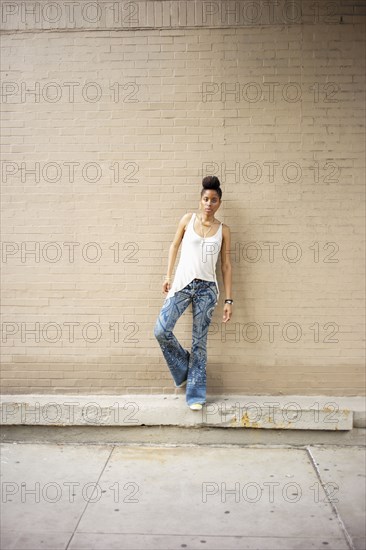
{"x":346,"y":534}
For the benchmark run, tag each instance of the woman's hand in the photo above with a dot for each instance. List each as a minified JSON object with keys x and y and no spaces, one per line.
{"x":227,"y":312}
{"x":166,"y":286}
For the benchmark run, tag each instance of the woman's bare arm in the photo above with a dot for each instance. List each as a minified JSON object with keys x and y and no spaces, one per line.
{"x":174,"y":247}
{"x":226,"y":261}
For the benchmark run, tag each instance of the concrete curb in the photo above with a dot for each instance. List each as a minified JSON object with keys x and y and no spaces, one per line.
{"x":234,"y":411}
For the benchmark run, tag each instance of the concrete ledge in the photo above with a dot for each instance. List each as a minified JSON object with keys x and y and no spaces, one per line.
{"x":236,"y":411}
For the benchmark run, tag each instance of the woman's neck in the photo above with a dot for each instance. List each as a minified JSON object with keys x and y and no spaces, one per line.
{"x":206,"y":219}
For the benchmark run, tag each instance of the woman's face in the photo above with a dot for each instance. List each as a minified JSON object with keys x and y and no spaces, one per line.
{"x":210,"y":202}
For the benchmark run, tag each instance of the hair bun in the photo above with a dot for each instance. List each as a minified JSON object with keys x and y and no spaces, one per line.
{"x":211,"y":182}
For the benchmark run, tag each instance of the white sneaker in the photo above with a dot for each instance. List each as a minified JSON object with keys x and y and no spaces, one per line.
{"x":182,"y":384}
{"x":195,"y":406}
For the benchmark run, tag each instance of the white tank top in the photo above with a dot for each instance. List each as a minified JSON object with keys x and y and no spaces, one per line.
{"x":198,"y":259}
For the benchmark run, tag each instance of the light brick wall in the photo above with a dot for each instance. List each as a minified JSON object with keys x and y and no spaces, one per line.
{"x":288,"y":146}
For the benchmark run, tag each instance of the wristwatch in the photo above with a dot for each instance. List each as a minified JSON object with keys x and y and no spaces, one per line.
{"x":229,"y":301}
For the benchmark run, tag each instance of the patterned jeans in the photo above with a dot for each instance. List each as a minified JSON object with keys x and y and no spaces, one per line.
{"x":182,"y":364}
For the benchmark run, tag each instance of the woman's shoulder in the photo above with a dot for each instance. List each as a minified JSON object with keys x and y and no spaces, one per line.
{"x":187,"y":217}
{"x":225,"y":230}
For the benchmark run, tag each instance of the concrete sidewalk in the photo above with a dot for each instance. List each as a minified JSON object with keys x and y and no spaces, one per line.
{"x":105,"y":496}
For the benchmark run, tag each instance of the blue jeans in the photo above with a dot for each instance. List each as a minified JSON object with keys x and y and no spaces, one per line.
{"x":182,"y":364}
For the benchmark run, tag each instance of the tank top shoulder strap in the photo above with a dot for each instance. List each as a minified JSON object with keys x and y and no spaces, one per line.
{"x":191,"y":221}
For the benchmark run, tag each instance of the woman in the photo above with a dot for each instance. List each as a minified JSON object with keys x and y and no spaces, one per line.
{"x":203,"y":236}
